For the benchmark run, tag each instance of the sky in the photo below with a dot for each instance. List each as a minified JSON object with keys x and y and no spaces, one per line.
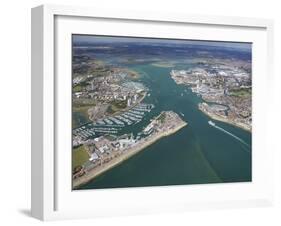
{"x":110,"y":39}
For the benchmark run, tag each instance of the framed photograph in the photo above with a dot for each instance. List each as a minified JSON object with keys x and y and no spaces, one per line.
{"x":137,"y":112}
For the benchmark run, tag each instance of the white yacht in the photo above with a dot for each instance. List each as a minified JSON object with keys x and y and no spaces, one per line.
{"x":211,"y":123}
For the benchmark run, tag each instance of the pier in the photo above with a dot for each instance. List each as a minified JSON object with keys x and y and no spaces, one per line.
{"x":113,"y":124}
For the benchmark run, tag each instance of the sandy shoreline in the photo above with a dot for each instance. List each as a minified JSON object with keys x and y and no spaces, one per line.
{"x":222,"y":119}
{"x":129,"y":153}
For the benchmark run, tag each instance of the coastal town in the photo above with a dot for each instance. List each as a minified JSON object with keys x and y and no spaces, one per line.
{"x":133,"y":98}
{"x":103,"y":90}
{"x":225,"y":88}
{"x":108,"y":100}
{"x":108,"y":151}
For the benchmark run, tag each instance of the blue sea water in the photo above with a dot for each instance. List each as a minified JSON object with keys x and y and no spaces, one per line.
{"x":197,"y":154}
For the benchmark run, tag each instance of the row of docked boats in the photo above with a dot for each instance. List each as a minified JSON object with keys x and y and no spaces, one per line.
{"x":112,"y":124}
{"x":134,"y":115}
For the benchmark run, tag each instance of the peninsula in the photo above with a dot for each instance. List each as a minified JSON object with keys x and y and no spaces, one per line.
{"x":132,"y":99}
{"x":225,"y":87}
{"x":107,"y":152}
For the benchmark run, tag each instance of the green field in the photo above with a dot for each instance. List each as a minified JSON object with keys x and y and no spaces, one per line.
{"x":80,"y":156}
{"x":116,"y":106}
{"x":77,"y":88}
{"x":244,"y":92}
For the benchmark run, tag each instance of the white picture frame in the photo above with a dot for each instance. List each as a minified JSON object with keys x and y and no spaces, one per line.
{"x":51,"y":195}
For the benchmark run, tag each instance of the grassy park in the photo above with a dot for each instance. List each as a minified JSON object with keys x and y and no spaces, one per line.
{"x":80,"y":156}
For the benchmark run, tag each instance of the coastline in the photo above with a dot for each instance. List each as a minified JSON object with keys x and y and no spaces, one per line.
{"x":212,"y":115}
{"x":131,"y":151}
{"x":163,"y":64}
{"x":225,"y":120}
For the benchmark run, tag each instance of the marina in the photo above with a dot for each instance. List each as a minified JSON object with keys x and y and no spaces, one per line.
{"x":194,"y":147}
{"x":113,"y":124}
{"x":125,"y":98}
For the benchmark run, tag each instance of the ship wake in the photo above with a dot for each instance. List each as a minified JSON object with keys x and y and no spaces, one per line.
{"x":231,"y":134}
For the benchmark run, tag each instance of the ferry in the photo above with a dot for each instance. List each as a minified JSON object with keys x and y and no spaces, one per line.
{"x":211,"y":123}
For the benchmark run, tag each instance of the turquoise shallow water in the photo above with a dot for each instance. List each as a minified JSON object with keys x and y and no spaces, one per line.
{"x":196,"y":154}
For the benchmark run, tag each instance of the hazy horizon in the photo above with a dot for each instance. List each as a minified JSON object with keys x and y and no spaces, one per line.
{"x":155,"y":41}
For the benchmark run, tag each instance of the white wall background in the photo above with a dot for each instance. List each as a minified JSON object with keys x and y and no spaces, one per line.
{"x":15,"y":112}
